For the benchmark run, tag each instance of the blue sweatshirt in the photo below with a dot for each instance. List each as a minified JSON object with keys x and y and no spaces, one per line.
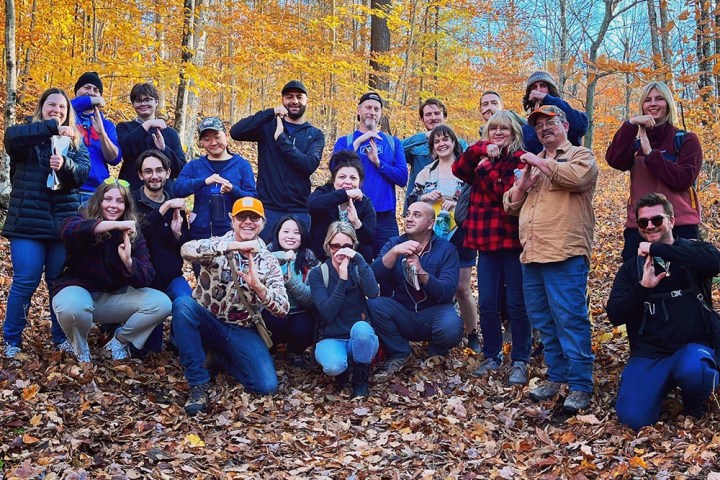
{"x":98,"y":165}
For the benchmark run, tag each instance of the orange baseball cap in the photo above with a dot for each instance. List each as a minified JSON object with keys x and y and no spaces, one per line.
{"x":248,"y":204}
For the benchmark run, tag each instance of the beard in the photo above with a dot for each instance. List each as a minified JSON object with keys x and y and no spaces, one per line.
{"x":299,"y":114}
{"x":370,"y":123}
{"x":155,"y":187}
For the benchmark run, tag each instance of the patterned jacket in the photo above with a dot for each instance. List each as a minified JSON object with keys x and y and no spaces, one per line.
{"x":216,"y":289}
{"x":487,"y":227}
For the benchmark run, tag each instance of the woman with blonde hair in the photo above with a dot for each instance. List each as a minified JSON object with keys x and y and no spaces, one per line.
{"x":48,"y":164}
{"x":106,"y":275}
{"x":661,"y":158}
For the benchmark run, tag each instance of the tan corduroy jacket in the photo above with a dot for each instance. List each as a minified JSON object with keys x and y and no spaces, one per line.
{"x":556,"y":216}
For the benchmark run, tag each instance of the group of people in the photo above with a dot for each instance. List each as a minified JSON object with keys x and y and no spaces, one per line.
{"x":329,"y":270}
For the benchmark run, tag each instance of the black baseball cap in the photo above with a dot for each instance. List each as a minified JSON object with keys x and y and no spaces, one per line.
{"x":294,"y":85}
{"x":371,"y":96}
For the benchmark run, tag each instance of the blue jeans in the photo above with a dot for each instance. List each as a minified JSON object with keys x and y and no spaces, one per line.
{"x":178,"y":287}
{"x":493,"y":266}
{"x":273,"y":216}
{"x":333,"y":354}
{"x":556,"y":306}
{"x":387,"y":228}
{"x":646,"y":381}
{"x":29,"y":259}
{"x":238,"y":350}
{"x":296,"y":330}
{"x":396,"y":326}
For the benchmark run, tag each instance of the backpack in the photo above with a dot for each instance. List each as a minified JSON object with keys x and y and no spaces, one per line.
{"x":463,"y":204}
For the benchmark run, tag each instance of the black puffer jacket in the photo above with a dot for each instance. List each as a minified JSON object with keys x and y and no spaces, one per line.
{"x":36,"y":211}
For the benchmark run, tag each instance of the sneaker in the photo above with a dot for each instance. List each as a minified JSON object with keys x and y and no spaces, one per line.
{"x":545,"y":391}
{"x":577,"y":401}
{"x":198,"y":399}
{"x":84,"y":354}
{"x":518,"y":373}
{"x":11,"y":351}
{"x":486,"y":366}
{"x":65,"y":346}
{"x":116,"y":349}
{"x":298,"y":361}
{"x":360,"y":380}
{"x":473,"y":342}
{"x":391,"y":367}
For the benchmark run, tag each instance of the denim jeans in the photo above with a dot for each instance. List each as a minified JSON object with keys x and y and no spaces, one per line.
{"x":138,"y":310}
{"x":178,"y":287}
{"x":296,"y":330}
{"x":238,"y":350}
{"x":387,"y":228}
{"x":493,"y":266}
{"x":396,"y":326}
{"x":29,"y":259}
{"x":334,"y":354}
{"x":273,"y":216}
{"x":556,"y":306}
{"x":646,"y":381}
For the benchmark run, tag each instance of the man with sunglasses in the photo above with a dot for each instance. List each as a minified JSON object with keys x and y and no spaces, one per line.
{"x":655,"y":294}
{"x":238,"y":278}
{"x":553,"y":199}
{"x":418,"y":274}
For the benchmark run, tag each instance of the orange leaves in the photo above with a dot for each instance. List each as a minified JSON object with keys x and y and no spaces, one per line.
{"x":30,"y":392}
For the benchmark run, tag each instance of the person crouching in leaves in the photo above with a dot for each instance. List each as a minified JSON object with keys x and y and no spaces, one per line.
{"x":106,"y":275}
{"x":339,"y":289}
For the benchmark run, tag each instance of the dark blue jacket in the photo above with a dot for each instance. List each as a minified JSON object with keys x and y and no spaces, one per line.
{"x":285,"y":164}
{"x":578,"y":126}
{"x":323,"y":205}
{"x":440,"y":260}
{"x":134,"y":140}
{"x":343,"y":302}
{"x":164,"y":248}
{"x":191,"y":181}
{"x":36,"y":211}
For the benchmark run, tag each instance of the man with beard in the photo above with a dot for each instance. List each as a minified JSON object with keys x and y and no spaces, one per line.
{"x":383,"y":159}
{"x":417,"y":152}
{"x":289,"y":150}
{"x":163,"y":226}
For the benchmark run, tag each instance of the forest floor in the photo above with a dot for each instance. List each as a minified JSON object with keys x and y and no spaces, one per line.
{"x":125,"y":420}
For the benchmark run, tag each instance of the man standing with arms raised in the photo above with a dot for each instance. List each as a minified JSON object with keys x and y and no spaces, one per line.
{"x":289,"y":150}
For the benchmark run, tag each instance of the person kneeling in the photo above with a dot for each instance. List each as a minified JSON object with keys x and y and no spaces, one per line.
{"x":339,"y":289}
{"x":238,"y":278}
{"x":106,"y":275}
{"x":659,"y":294}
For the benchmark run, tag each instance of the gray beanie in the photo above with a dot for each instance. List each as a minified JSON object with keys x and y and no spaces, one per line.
{"x":540,"y":76}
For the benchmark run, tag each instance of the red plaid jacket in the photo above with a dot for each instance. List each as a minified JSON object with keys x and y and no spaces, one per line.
{"x":487,"y":226}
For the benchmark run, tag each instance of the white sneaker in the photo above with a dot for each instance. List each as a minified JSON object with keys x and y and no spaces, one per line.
{"x":11,"y":351}
{"x":117,"y":350}
{"x":65,"y":346}
{"x":84,"y":354}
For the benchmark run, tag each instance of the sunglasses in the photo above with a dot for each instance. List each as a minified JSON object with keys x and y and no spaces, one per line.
{"x":253,"y":217}
{"x":115,"y":181}
{"x":337,"y":246}
{"x":657,"y":220}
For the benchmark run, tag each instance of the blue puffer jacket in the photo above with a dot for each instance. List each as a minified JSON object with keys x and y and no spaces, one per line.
{"x":36,"y":211}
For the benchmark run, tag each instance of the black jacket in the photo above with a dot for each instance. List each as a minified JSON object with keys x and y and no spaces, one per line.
{"x":164,"y":248}
{"x":323,"y":205}
{"x":663,"y":319}
{"x":285,"y":164}
{"x":36,"y":211}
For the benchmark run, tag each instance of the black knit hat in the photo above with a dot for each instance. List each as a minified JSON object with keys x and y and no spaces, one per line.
{"x":89,"y":77}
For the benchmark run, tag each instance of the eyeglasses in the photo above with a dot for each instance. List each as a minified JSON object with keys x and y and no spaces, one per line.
{"x":334,"y":247}
{"x":115,"y":181}
{"x":539,"y":127}
{"x":157,"y":171}
{"x":253,"y":217}
{"x":141,"y":101}
{"x":657,"y":220}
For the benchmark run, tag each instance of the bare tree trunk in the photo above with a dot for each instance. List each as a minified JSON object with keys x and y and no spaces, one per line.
{"x":654,"y":40}
{"x":162,"y":50}
{"x":187,"y":56}
{"x":717,"y":45}
{"x":379,"y":44}
{"x":11,"y":92}
{"x":26,"y":64}
{"x":94,"y":32}
{"x":702,"y":48}
{"x":562,"y":75}
{"x":665,"y":42}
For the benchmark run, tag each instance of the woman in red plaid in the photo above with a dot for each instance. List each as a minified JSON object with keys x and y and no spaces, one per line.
{"x":489,"y":166}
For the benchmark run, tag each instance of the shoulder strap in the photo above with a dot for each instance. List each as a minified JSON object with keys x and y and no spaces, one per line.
{"x":391,"y":140}
{"x":677,"y":144}
{"x":349,"y":140}
{"x":325,"y":274}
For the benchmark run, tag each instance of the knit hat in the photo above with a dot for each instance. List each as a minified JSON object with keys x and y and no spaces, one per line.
{"x":211,"y":123}
{"x":540,"y":76}
{"x":248,"y":204}
{"x":371,"y":96}
{"x":294,"y":85}
{"x":89,"y":77}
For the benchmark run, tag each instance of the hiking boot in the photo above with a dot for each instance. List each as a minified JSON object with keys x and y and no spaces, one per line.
{"x":116,"y":349}
{"x":473,"y":342}
{"x":198,"y":399}
{"x":360,"y":380}
{"x":545,"y":391}
{"x":391,"y":367}
{"x":65,"y":346}
{"x":577,"y":401}
{"x":486,"y":366}
{"x":298,"y":361}
{"x":11,"y":351}
{"x":518,"y":374}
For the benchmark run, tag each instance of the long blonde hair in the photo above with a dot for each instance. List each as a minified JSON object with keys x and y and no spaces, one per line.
{"x":69,"y":119}
{"x":664,"y":91}
{"x":504,"y":117}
